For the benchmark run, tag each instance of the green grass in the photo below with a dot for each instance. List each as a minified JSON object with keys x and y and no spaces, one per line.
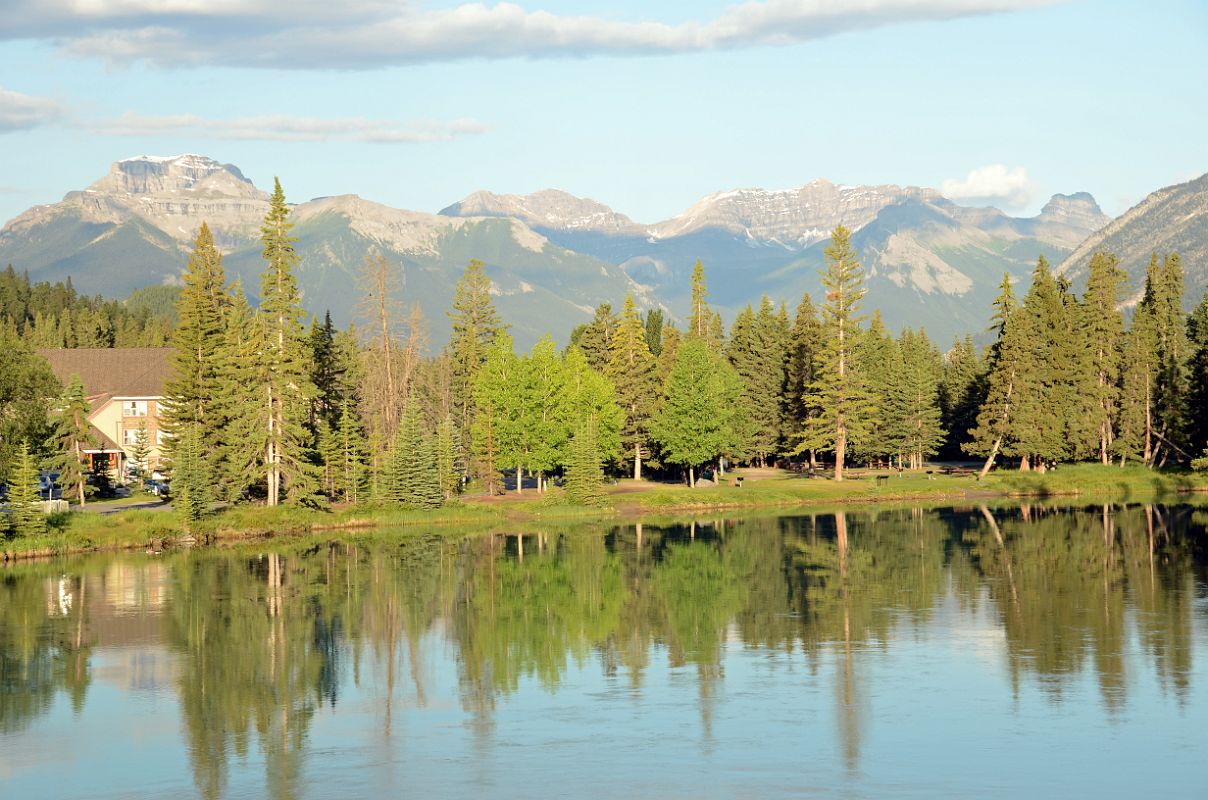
{"x":142,"y":528}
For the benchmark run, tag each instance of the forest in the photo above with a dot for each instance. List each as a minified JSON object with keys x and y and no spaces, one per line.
{"x":267,"y":405}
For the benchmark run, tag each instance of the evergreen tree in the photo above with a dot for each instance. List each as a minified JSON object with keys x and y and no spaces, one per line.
{"x":1102,"y":333}
{"x":914,"y":400}
{"x":595,"y":339}
{"x":700,"y":317}
{"x":142,"y":449}
{"x":631,"y":368}
{"x":74,"y":435}
{"x":584,"y":478}
{"x":701,"y":415}
{"x":414,"y":479}
{"x":846,"y":410}
{"x":335,"y":369}
{"x":801,"y":371}
{"x":758,"y":352}
{"x":877,"y":360}
{"x":193,"y":387}
{"x":1165,"y":298}
{"x":476,"y":325}
{"x":1135,"y":430}
{"x":450,"y":460}
{"x":498,"y":411}
{"x":24,"y":499}
{"x":288,"y":392}
{"x":653,"y":324}
{"x":27,"y":388}
{"x":241,"y":401}
{"x":1197,"y":372}
{"x":349,"y":472}
{"x":1010,"y":366}
{"x":190,"y":476}
{"x":962,"y":392}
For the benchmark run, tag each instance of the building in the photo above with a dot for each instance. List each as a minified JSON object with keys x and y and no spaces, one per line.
{"x":125,"y":388}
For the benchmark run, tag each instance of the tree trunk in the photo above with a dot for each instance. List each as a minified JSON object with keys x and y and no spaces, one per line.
{"x":519,"y":479}
{"x":637,"y":461}
{"x":840,"y":453}
{"x":1024,"y":464}
{"x":691,"y":478}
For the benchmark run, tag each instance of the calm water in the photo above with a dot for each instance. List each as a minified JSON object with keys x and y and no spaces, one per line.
{"x":1024,"y":652}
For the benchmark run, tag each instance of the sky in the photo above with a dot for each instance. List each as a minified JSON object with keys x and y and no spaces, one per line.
{"x":643,"y":106}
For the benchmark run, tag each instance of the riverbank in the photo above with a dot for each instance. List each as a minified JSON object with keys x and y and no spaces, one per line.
{"x":145,"y":529}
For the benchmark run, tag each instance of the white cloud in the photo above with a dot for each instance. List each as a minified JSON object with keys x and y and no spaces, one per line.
{"x":289,"y":129}
{"x":372,"y":33}
{"x":994,"y":184}
{"x":22,"y":111}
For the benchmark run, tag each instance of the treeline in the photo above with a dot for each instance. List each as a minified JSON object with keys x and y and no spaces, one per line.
{"x":261,"y":406}
{"x":54,"y":315}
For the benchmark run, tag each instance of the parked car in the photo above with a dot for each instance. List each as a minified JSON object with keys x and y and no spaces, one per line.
{"x":159,"y":488}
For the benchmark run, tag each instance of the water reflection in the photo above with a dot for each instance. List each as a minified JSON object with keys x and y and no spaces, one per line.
{"x":262,"y":642}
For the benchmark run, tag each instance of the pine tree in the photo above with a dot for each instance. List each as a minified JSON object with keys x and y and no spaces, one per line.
{"x":1135,"y":430}
{"x":1197,"y":373}
{"x":142,"y":449}
{"x":476,"y":325}
{"x":415,"y":480}
{"x":584,"y":480}
{"x":653,"y":325}
{"x":190,"y":476}
{"x":288,"y":392}
{"x":846,"y":410}
{"x":1102,"y":334}
{"x":74,"y":436}
{"x":914,"y":399}
{"x":961,"y":393}
{"x":450,"y":461}
{"x":700,"y":317}
{"x":877,"y":359}
{"x":631,"y":368}
{"x":595,"y":339}
{"x":758,"y":352}
{"x":24,"y":498}
{"x":192,"y":389}
{"x":1170,"y":394}
{"x":801,"y":370}
{"x":349,"y":468}
{"x":1010,"y":366}
{"x":241,"y":400}
{"x":335,"y":369}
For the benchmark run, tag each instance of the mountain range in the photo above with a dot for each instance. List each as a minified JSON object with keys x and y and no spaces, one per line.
{"x":553,"y":256}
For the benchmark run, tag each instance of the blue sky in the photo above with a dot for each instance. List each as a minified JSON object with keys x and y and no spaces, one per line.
{"x":643,"y":106}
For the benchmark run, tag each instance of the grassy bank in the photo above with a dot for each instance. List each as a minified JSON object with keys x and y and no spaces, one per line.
{"x":771,"y":489}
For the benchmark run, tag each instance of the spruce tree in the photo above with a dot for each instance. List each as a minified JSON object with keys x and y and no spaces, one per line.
{"x":1197,"y":374}
{"x":801,"y":370}
{"x":415,"y":479}
{"x":349,"y":469}
{"x":631,"y":368}
{"x":193,"y":386}
{"x":450,"y":460}
{"x":287,"y":388}
{"x":1170,"y":394}
{"x":595,"y":339}
{"x":1010,"y":366}
{"x":24,"y":498}
{"x":191,"y":480}
{"x":962,"y":392}
{"x":846,"y":410}
{"x":141,"y":450}
{"x":584,"y":481}
{"x":476,"y":325}
{"x":1135,"y":430}
{"x":241,"y":400}
{"x":73,"y":435}
{"x":700,"y":316}
{"x":757,"y":351}
{"x":877,"y":359}
{"x":914,"y":399}
{"x":653,"y":324}
{"x":1102,"y":334}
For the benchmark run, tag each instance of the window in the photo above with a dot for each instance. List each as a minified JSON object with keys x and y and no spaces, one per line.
{"x":134,"y":408}
{"x":130,"y":437}
{"x":162,"y":436}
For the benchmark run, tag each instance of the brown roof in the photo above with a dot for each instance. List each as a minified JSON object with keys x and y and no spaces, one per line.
{"x":115,"y":371}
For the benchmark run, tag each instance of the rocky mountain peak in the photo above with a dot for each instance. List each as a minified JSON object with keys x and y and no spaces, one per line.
{"x":157,"y":175}
{"x":1079,"y":210}
{"x":552,"y":209}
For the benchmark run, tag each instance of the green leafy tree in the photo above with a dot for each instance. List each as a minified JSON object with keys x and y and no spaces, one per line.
{"x":27,"y":390}
{"x":632,"y":370}
{"x":845,"y":409}
{"x":288,"y":391}
{"x":544,"y":425}
{"x":498,"y":408}
{"x":701,"y":414}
